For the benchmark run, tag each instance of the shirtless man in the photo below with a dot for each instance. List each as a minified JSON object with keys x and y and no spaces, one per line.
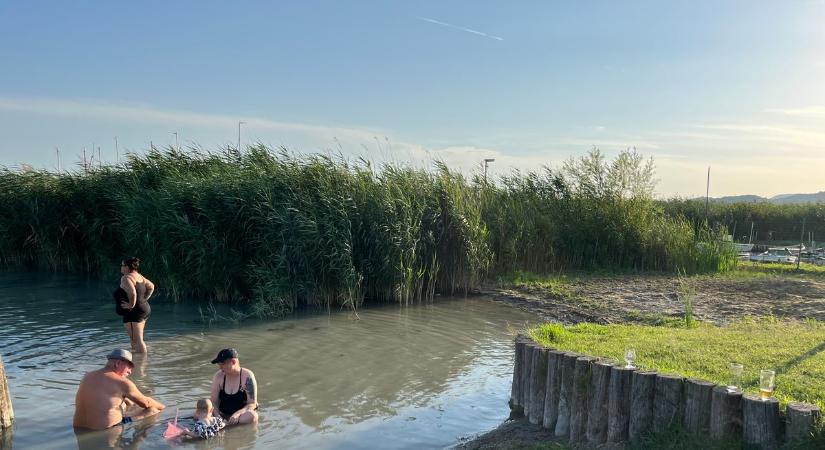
{"x":106,"y":397}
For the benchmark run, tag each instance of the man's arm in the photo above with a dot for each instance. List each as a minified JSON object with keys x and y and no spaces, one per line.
{"x":144,"y":401}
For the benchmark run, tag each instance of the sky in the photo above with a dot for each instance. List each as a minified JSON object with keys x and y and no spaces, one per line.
{"x":737,"y":86}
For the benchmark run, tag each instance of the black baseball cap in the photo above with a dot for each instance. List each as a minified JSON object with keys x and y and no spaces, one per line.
{"x":223,"y":355}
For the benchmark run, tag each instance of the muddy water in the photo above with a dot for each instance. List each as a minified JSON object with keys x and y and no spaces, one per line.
{"x":419,"y":377}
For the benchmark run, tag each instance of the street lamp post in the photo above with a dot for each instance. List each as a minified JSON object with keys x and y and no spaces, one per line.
{"x":486,"y":162}
{"x":239,"y":134}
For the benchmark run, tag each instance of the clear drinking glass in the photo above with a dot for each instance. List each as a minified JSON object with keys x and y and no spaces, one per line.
{"x":735,"y":376}
{"x":630,"y":358}
{"x":766,"y":383}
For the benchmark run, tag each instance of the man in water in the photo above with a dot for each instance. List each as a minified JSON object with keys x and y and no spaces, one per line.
{"x":106,"y":397}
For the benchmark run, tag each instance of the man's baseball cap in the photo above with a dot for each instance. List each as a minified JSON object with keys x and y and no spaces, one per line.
{"x":223,"y":355}
{"x":121,"y":354}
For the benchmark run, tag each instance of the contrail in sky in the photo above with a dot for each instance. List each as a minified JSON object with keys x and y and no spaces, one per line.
{"x":456,"y":27}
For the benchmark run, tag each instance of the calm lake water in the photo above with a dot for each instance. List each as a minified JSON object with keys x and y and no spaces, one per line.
{"x":392,"y":378}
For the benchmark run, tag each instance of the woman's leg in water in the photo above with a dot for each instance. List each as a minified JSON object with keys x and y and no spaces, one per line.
{"x":130,"y":326}
{"x":138,"y":344}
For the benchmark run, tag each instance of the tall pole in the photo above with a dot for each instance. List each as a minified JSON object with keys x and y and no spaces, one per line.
{"x":239,"y":135}
{"x":750,"y":236}
{"x":117,"y":151}
{"x":99,"y":159}
{"x":707,"y":197}
{"x":57,"y":151}
{"x":176,"y":140}
{"x":801,"y":238}
{"x":486,"y":160}
{"x":84,"y":161}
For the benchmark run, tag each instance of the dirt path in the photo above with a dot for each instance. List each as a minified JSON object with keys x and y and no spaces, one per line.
{"x":652,"y":298}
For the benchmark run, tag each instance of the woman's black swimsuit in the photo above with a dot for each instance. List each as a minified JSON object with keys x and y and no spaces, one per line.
{"x":139,"y":313}
{"x":231,"y":403}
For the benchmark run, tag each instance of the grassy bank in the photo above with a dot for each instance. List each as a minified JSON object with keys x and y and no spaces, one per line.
{"x":795,"y":349}
{"x":284,"y":231}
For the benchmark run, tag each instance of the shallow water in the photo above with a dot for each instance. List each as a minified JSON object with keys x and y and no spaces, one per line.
{"x":392,"y":378}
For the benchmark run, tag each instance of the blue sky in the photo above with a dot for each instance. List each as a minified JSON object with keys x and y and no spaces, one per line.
{"x":735,"y":85}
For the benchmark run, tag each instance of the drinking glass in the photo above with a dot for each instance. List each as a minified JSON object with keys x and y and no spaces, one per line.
{"x":766,"y":383}
{"x":735,"y":375}
{"x":630,"y":358}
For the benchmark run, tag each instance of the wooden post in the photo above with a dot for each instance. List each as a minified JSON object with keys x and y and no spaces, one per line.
{"x":526,"y":363}
{"x":618,"y":403}
{"x":578,"y":404}
{"x":642,"y":393}
{"x":667,"y":409}
{"x":538,"y":380}
{"x":761,"y":422}
{"x":568,"y":367}
{"x":551,"y":398}
{"x":801,"y":418}
{"x":597,"y":403}
{"x":6,"y":411}
{"x":516,"y":409}
{"x":725,"y":413}
{"x":698,"y":398}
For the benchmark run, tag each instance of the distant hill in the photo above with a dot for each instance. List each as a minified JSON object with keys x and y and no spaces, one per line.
{"x":818,"y":197}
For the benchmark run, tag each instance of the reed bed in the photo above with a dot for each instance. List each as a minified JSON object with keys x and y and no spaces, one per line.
{"x":284,"y":231}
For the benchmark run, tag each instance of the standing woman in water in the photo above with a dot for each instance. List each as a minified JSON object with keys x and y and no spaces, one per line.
{"x":132,"y":300}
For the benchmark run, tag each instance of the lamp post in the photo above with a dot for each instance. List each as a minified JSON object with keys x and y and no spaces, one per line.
{"x":239,"y":134}
{"x":486,"y":162}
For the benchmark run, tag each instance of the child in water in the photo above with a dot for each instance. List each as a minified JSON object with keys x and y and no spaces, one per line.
{"x":206,"y":425}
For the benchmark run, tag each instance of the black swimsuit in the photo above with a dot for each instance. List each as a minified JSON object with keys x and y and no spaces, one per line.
{"x":139,"y":313}
{"x":231,"y":403}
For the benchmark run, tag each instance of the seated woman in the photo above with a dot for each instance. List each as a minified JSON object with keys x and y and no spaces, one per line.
{"x":234,"y":389}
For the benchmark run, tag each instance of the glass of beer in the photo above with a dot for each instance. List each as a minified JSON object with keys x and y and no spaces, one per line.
{"x":766,"y":383}
{"x":630,"y":358}
{"x":735,"y":376}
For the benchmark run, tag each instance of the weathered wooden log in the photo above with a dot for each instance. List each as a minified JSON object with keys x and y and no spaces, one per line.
{"x":667,"y":407}
{"x":538,"y":386}
{"x":642,"y":393}
{"x":761,"y":422}
{"x":698,"y":399}
{"x":725,"y":413}
{"x":597,"y":402}
{"x":568,"y":367}
{"x":553,"y":390}
{"x":6,"y":411}
{"x":618,"y":403}
{"x":801,"y":418}
{"x":581,"y":393}
{"x":516,"y":409}
{"x":526,"y":363}
{"x":6,"y":435}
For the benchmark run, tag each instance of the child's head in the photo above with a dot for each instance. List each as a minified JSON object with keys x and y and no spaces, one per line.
{"x":203,"y":408}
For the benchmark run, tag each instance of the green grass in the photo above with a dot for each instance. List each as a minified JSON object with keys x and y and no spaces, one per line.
{"x":757,"y":270}
{"x":795,"y":349}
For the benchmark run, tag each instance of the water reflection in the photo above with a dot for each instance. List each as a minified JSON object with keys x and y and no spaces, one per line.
{"x":424,"y":375}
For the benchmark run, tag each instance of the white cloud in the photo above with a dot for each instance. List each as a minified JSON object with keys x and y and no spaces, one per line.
{"x":811,"y":111}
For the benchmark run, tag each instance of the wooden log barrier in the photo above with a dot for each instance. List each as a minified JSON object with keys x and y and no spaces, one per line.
{"x":568,"y":367}
{"x":526,"y":363}
{"x":698,"y":398}
{"x":553,"y":389}
{"x":597,"y":402}
{"x":761,"y":423}
{"x":725,"y":413}
{"x":667,"y":407}
{"x":642,"y":393}
{"x":581,"y":393}
{"x":618,"y":403}
{"x":516,"y":409}
{"x":801,"y":418}
{"x":6,"y":411}
{"x":538,"y":380}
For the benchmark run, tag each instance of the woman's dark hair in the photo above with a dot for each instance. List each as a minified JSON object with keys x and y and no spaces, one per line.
{"x":132,"y":263}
